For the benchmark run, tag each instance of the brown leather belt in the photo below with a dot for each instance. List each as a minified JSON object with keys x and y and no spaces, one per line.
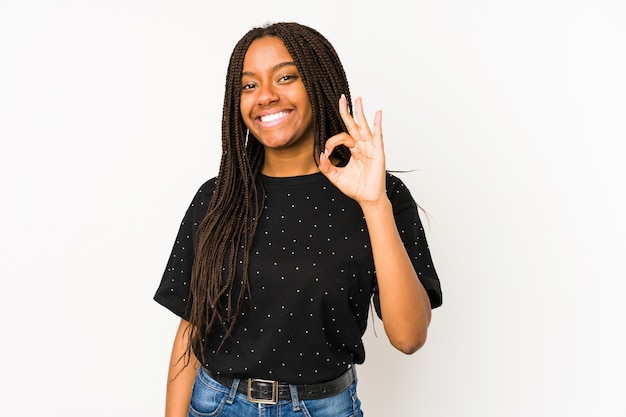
{"x":270,"y":392}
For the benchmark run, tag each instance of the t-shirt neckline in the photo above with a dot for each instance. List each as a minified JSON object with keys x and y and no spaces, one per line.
{"x":295,"y":180}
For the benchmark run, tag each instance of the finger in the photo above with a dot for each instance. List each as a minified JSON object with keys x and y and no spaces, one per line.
{"x":361,"y":119}
{"x":378,"y":125}
{"x":339,"y":139}
{"x":347,"y":118}
{"x":325,"y":165}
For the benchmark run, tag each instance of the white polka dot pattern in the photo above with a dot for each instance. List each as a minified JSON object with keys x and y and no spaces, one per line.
{"x":311,"y":280}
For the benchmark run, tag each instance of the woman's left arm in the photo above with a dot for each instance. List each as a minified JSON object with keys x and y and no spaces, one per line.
{"x":404,"y":303}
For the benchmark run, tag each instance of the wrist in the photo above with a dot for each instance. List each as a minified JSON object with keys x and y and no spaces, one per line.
{"x":375,"y":209}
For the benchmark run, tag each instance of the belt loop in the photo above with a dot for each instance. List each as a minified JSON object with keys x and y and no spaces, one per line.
{"x":295,"y":401}
{"x":233,"y":391}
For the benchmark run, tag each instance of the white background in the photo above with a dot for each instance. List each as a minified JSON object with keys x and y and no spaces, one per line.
{"x":511,"y":113}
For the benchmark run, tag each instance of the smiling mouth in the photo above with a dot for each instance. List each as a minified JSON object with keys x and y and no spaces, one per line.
{"x":268,"y":118}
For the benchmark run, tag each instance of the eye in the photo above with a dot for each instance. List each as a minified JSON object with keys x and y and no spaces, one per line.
{"x":287,"y":78}
{"x":248,"y":86}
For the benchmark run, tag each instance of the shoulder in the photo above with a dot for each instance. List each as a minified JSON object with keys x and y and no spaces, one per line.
{"x":208,"y":186}
{"x":399,"y":194}
{"x":200,"y":202}
{"x":395,"y":186}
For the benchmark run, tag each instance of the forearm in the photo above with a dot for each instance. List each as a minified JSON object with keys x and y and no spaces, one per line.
{"x":181,"y":375}
{"x":404,"y":303}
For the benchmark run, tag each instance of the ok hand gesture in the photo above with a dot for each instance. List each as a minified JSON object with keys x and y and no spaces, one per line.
{"x":363,"y":178}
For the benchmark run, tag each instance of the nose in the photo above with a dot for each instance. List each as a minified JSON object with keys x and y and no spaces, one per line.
{"x":268,"y":94}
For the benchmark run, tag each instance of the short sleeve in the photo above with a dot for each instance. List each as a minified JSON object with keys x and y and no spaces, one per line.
{"x":413,"y":236}
{"x":173,"y":291}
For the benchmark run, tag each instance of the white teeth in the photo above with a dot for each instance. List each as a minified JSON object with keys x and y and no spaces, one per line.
{"x":272,"y":117}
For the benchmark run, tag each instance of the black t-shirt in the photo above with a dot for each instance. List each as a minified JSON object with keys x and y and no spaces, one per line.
{"x":311,"y":280}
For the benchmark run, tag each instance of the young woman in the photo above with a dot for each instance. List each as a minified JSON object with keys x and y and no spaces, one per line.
{"x":278,"y":258}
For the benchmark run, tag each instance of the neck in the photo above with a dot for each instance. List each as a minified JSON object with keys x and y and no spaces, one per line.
{"x":288,"y":166}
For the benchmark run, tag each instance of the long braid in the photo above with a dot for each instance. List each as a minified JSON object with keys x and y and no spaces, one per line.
{"x":219,"y":282}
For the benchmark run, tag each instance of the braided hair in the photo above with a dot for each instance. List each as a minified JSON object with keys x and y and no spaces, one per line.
{"x":219,"y":281}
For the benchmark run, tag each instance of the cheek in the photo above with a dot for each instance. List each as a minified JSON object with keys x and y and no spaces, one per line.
{"x":245,"y":116}
{"x":309,"y":118}
{"x":244,"y":106}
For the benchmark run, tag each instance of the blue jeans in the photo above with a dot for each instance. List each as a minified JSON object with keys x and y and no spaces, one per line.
{"x":210,"y":398}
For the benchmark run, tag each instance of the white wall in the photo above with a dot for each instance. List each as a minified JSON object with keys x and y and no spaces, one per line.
{"x":513,"y":114}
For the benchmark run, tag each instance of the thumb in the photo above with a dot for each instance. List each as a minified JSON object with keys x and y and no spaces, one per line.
{"x":326,"y":166}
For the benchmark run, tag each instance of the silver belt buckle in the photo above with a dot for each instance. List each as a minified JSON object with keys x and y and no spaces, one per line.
{"x":273,"y":400}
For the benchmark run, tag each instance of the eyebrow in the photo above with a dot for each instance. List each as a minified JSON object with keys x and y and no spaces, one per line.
{"x":274,"y":68}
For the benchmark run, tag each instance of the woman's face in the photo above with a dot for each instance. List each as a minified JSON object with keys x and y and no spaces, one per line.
{"x":274,"y":103}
